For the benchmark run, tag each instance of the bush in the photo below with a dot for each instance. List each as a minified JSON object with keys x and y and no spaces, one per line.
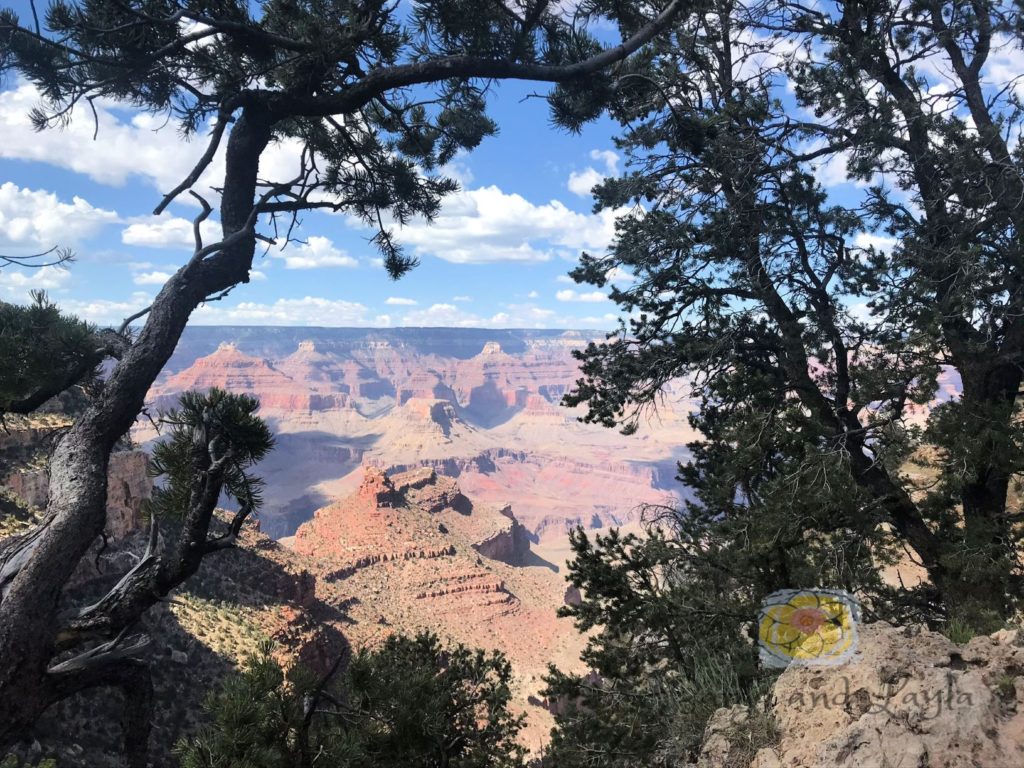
{"x":413,"y":702}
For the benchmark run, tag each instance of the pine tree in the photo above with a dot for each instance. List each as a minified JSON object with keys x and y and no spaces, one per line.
{"x":810,"y":342}
{"x":411,"y":702}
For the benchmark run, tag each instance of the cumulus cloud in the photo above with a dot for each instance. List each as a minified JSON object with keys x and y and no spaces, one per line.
{"x":401,"y":302}
{"x":106,"y":311}
{"x":124,"y":148}
{"x":878,"y":242}
{"x":487,"y":225}
{"x":309,"y":310}
{"x":132,"y":145}
{"x":16,"y":283}
{"x":462,"y":298}
{"x":36,"y":220}
{"x":151,"y":278}
{"x":509,"y":316}
{"x":448,"y":315}
{"x":168,"y":232}
{"x":619,"y":275}
{"x":589,"y":296}
{"x":609,"y":158}
{"x":314,"y":253}
{"x":582,"y":182}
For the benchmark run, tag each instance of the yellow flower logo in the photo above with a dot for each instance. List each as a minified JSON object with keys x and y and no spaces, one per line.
{"x":807,"y":626}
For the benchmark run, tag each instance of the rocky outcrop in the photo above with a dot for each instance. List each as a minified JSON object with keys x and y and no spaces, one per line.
{"x":510,"y":544}
{"x":128,"y":486}
{"x":386,"y":557}
{"x":233,"y":370}
{"x":909,"y":697}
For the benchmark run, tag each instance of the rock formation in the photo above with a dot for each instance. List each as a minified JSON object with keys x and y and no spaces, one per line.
{"x":128,"y":486}
{"x":410,"y":551}
{"x":909,"y":697}
{"x":477,"y":404}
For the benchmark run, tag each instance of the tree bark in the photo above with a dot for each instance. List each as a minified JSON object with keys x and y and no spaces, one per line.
{"x":76,"y":507}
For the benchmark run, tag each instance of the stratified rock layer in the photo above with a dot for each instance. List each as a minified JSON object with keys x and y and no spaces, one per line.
{"x":410,"y":551}
{"x":480,"y":405}
{"x":128,"y":486}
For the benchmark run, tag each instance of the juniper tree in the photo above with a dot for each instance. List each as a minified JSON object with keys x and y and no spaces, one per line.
{"x":45,"y":353}
{"x":378,"y":95}
{"x":413,"y":701}
{"x":814,"y":327}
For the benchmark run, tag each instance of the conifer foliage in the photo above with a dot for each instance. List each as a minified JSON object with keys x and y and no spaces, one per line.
{"x":813,"y":321}
{"x":412,"y":702}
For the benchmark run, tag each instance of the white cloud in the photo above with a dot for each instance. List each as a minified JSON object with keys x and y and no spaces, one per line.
{"x":1005,"y":64}
{"x":138,"y":145}
{"x":151,"y":278}
{"x":878,"y":242}
{"x":509,"y":316}
{"x":462,"y":298}
{"x":571,"y":295}
{"x":599,"y":321}
{"x":458,"y":169}
{"x":448,"y":315}
{"x":16,"y":283}
{"x":487,"y":225}
{"x":141,"y":146}
{"x":439,"y":314}
{"x":401,"y":302}
{"x":618,"y":275}
{"x":532,"y":295}
{"x":310,"y":310}
{"x":609,"y":158}
{"x":581,"y":182}
{"x":106,"y":311}
{"x":255,"y":274}
{"x":36,"y":220}
{"x":168,"y":232}
{"x":831,"y":170}
{"x":315,"y":253}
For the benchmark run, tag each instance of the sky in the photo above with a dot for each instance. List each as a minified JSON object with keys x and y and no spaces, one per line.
{"x":497,"y":256}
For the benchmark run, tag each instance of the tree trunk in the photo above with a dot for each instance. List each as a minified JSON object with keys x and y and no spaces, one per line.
{"x":984,"y":563}
{"x":76,"y":507}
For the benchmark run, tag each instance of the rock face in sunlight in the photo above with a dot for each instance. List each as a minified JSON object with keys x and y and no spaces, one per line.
{"x":479,"y":405}
{"x":909,"y":697}
{"x":410,"y":551}
{"x":128,"y":484}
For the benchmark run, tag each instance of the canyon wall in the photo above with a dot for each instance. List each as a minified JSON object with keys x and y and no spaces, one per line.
{"x":128,"y":482}
{"x":479,"y":405}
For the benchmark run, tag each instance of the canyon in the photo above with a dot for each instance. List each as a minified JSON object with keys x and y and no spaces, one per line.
{"x":479,"y":405}
{"x":425,"y":479}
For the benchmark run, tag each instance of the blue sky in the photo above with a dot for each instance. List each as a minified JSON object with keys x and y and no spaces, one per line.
{"x":497,"y":256}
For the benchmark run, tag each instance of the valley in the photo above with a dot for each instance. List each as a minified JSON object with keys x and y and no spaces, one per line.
{"x":426,"y":479}
{"x":478,"y":405}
